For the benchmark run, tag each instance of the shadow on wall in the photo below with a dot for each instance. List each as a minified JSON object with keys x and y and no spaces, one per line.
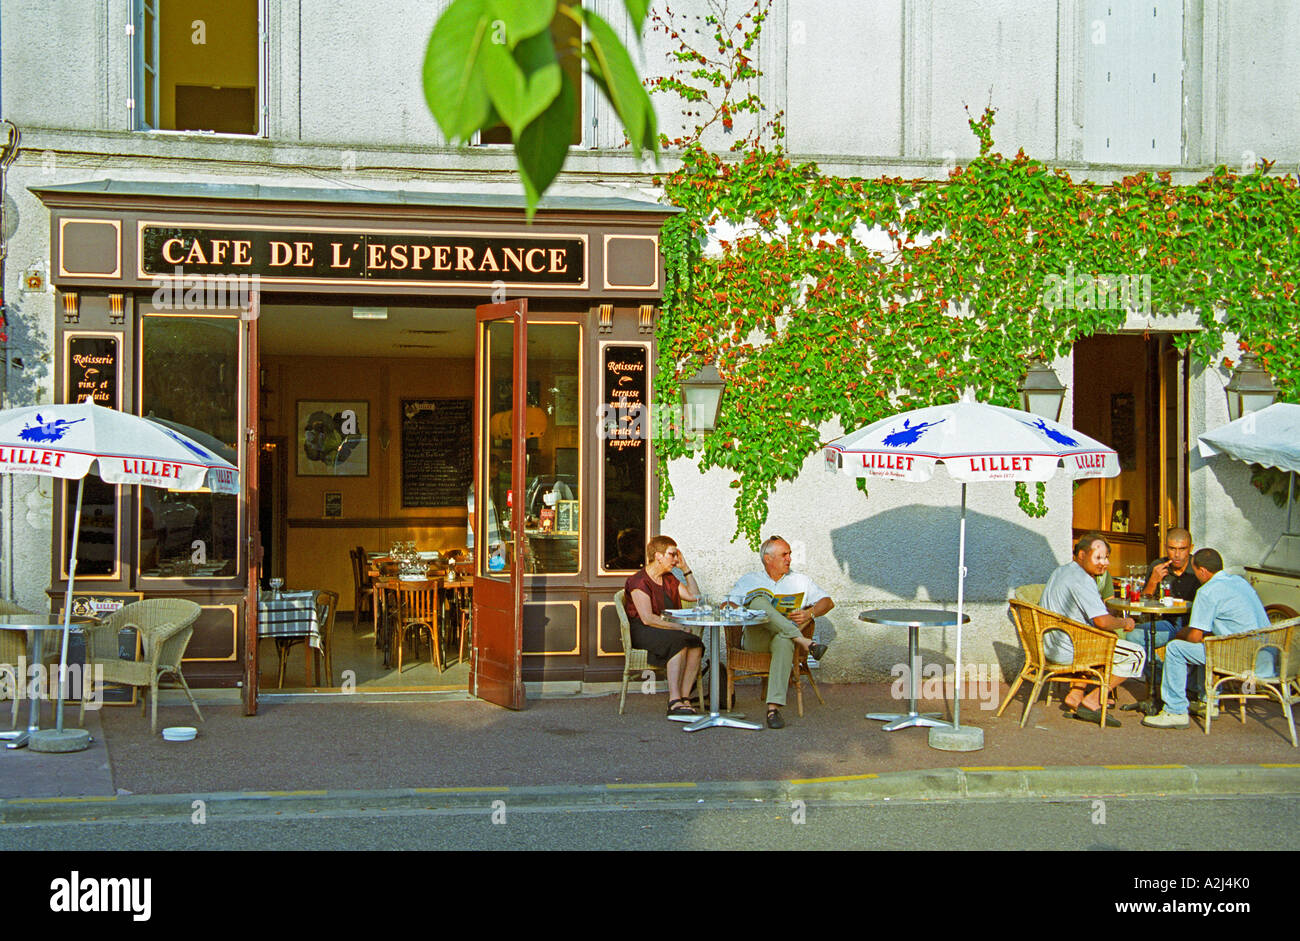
{"x":27,"y":367}
{"x":911,"y":551}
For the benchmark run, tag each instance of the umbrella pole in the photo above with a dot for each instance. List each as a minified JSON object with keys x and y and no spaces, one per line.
{"x":67,"y":607}
{"x":961,"y":597}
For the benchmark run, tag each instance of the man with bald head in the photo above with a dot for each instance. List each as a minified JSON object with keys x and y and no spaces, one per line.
{"x":1173,"y":568}
{"x":790,"y":600}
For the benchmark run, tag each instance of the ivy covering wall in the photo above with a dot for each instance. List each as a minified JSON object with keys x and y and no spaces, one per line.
{"x":842,"y":300}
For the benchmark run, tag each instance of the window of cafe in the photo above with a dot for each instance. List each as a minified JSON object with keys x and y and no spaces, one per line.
{"x":189,"y":380}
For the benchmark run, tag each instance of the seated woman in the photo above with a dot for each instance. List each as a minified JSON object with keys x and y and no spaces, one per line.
{"x":652,"y":590}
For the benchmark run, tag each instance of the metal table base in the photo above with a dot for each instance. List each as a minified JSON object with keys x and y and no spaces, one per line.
{"x":716,"y":718}
{"x":911,"y":719}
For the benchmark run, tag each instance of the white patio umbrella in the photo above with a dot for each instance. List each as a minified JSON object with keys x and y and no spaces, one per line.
{"x":65,"y":440}
{"x":1270,"y":437}
{"x":975,"y":442}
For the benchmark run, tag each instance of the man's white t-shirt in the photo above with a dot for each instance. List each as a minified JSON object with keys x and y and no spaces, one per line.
{"x":793,"y":591}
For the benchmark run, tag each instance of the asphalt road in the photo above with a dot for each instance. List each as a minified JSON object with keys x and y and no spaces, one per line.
{"x":1139,"y":824}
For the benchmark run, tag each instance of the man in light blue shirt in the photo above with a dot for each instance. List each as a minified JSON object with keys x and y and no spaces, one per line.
{"x":1225,"y":604}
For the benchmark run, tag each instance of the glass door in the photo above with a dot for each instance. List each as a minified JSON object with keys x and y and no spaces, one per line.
{"x":500,"y":455}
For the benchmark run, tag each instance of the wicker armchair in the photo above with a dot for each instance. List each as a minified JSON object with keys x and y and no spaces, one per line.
{"x":165,"y":626}
{"x":636,"y":660}
{"x":754,"y":663}
{"x":13,"y":647}
{"x":1094,"y":653}
{"x":1233,"y":659}
{"x":327,"y":605}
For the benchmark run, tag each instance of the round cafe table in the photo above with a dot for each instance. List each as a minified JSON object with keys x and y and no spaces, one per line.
{"x":717,"y":621}
{"x":36,"y":625}
{"x":913,"y":619}
{"x":1149,"y":608}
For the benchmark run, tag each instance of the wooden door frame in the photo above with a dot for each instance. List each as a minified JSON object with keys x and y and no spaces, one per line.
{"x":508,"y":690}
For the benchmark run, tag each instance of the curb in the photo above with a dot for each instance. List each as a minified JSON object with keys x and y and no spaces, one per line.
{"x":969,"y":783}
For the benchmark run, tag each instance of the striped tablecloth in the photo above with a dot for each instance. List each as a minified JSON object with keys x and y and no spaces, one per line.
{"x":288,"y":614}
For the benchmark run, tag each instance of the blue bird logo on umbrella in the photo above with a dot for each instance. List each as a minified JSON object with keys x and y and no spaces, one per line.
{"x":1052,"y":433}
{"x":909,"y":433}
{"x":47,"y":430}
{"x":185,"y":442}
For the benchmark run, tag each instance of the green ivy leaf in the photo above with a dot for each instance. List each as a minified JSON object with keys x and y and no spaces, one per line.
{"x":453,"y":80}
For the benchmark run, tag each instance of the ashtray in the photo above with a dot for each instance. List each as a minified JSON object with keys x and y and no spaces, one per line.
{"x":180,"y":733}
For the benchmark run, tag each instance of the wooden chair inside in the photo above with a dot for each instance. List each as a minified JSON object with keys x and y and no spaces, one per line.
{"x":417,"y":612}
{"x":362,"y":589}
{"x":1232,"y":669}
{"x":327,"y":604}
{"x":741,"y":662}
{"x":1094,"y":655}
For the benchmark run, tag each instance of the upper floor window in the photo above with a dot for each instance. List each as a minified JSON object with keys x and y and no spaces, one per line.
{"x":199,"y":65}
{"x":566,"y":35}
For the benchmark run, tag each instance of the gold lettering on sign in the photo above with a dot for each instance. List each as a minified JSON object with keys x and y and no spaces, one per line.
{"x":167,"y":254}
{"x":419,"y":255}
{"x":558,"y":263}
{"x":397,"y":255}
{"x":337,"y":261}
{"x":529,"y":260}
{"x":488,"y":257}
{"x":196,"y":257}
{"x":464,"y":258}
{"x":302,"y":254}
{"x":375,"y":256}
{"x":242,"y":249}
{"x":442,"y":258}
{"x":281,"y":254}
{"x":513,"y":257}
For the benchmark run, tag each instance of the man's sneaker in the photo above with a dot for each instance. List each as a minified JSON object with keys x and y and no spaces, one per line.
{"x":1197,"y":708}
{"x":1167,"y":720}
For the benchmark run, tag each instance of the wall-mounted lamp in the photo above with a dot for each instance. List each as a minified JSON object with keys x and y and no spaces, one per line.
{"x":1250,"y":388}
{"x":1041,"y":392}
{"x":116,"y":309}
{"x":370,"y":313}
{"x":702,"y":399}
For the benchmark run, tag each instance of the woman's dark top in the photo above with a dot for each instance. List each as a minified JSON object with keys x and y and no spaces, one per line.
{"x":661,"y":643}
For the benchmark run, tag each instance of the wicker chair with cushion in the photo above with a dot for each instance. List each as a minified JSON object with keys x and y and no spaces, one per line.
{"x":1235,"y":659}
{"x":165,"y":626}
{"x":752,"y":663}
{"x":636,"y":660}
{"x":1094,"y":653}
{"x":13,"y":647}
{"x":327,"y":605}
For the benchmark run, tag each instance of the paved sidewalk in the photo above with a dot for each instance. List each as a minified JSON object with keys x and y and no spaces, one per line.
{"x":352,"y":745}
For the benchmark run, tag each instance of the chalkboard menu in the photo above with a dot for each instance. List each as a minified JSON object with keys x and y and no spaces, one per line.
{"x":437,"y":451}
{"x":1123,"y":429}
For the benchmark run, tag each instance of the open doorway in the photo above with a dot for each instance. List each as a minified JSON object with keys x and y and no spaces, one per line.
{"x":1131,"y":393}
{"x":369,"y":410}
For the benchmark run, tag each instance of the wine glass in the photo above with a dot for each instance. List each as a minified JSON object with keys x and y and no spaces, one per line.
{"x":276,"y":584}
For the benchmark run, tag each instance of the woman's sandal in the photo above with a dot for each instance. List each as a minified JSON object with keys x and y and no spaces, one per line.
{"x":676,"y":707}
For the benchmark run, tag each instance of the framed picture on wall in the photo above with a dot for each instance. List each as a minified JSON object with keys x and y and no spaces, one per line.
{"x":333,"y":439}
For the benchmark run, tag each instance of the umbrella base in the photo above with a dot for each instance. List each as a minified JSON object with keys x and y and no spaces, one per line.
{"x":949,"y":738}
{"x":55,"y":740}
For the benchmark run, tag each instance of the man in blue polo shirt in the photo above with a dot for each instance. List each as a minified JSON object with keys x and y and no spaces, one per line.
{"x":1225,"y":604}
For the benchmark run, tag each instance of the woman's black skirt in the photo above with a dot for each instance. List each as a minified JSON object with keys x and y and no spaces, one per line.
{"x":661,"y":643}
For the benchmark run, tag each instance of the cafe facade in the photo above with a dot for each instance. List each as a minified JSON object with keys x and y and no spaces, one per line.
{"x":370,"y":364}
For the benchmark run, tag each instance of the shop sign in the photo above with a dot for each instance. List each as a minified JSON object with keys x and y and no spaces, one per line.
{"x":333,"y":256}
{"x":92,"y":369}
